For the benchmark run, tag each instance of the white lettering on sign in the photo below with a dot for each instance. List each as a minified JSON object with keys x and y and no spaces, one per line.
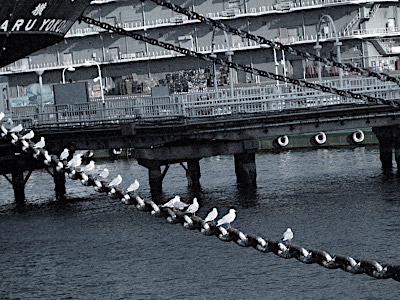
{"x":4,"y":26}
{"x":17,"y":25}
{"x":39,"y":9}
{"x":50,"y":25}
{"x":30,"y":24}
{"x":45,"y":22}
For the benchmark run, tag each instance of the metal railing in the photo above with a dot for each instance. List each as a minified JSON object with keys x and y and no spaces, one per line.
{"x":253,"y":99}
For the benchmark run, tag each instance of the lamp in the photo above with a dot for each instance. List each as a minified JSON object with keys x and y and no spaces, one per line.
{"x":71,"y":69}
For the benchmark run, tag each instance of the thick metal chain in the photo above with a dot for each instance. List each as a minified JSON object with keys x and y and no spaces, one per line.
{"x":307,"y":256}
{"x":261,"y":40}
{"x":237,"y":66}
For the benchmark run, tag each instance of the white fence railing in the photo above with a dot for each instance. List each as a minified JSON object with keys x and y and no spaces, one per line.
{"x":203,"y":104}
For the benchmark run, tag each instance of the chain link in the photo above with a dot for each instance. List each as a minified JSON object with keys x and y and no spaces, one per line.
{"x":279,"y":46}
{"x":208,"y":57}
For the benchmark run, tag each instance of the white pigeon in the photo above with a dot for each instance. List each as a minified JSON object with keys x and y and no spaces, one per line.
{"x":64,"y":155}
{"x":117,"y":152}
{"x":4,"y":130}
{"x":116,"y":181}
{"x":178,"y":204}
{"x":1,"y":115}
{"x":287,"y":235}
{"x":228,"y":218}
{"x":17,"y":128}
{"x":212,"y":215}
{"x":76,"y":161}
{"x":193,"y":207}
{"x":29,"y":135}
{"x":9,"y":122}
{"x":133,"y":187}
{"x":89,"y":166}
{"x":104,"y":173}
{"x":170,"y":203}
{"x":40,"y":144}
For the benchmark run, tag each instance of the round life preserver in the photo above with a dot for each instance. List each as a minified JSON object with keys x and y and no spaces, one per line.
{"x":283,"y":140}
{"x":358,"y":136}
{"x":320,"y":138}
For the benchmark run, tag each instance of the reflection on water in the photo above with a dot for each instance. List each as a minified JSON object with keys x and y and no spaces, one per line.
{"x":93,"y":247}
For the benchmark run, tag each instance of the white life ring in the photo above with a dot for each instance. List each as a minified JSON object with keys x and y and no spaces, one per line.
{"x":283,"y":140}
{"x":358,"y":136}
{"x":320,"y":138}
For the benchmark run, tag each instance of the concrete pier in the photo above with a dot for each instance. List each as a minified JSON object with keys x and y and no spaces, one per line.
{"x":245,"y":168}
{"x":389,"y":140}
{"x":59,"y":184}
{"x":18,"y":183}
{"x":193,"y":172}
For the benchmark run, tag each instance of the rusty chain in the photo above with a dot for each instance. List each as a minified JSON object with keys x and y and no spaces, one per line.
{"x":279,"y":46}
{"x":237,"y":66}
{"x":307,"y":256}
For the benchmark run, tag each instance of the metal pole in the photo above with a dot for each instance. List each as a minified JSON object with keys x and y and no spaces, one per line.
{"x":339,"y":59}
{"x":229,"y":53}
{"x":276,"y":65}
{"x":63,"y":75}
{"x":40,"y":73}
{"x":317,"y":48}
{"x":101,"y":82}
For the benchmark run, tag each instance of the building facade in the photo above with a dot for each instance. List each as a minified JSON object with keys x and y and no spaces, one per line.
{"x":367,"y":31}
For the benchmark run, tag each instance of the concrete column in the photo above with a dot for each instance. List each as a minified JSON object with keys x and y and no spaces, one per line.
{"x":193,"y":172}
{"x":155,"y":179}
{"x":18,"y":183}
{"x":386,"y":144}
{"x":59,"y":182}
{"x":155,"y":176}
{"x":245,"y":168}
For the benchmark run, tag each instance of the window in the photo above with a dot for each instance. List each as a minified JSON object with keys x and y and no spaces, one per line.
{"x":114,"y":53}
{"x":67,"y":59}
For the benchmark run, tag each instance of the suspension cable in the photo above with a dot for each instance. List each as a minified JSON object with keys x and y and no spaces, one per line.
{"x":237,"y":66}
{"x":279,"y":46}
{"x":307,"y":256}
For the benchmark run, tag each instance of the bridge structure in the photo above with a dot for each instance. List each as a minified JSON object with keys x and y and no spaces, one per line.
{"x":184,"y":128}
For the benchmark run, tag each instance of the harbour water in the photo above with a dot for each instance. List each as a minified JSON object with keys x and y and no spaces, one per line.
{"x":94,"y":247}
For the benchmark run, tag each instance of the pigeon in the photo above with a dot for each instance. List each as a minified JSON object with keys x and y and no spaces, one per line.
{"x":64,"y":155}
{"x":212,"y":215}
{"x":133,"y":187}
{"x":29,"y":135}
{"x":75,"y":162}
{"x":40,"y":144}
{"x":17,"y":128}
{"x":116,"y":181}
{"x":288,"y":235}
{"x":89,"y":167}
{"x":104,"y":173}
{"x":228,"y":218}
{"x":4,"y":130}
{"x":178,"y":204}
{"x":193,"y":207}
{"x":170,"y":203}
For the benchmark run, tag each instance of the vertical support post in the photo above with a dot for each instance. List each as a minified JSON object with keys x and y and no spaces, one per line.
{"x":193,"y":172}
{"x":155,"y":179}
{"x":155,"y":176}
{"x":59,"y":184}
{"x":386,"y":143}
{"x":245,"y":168}
{"x":18,"y":183}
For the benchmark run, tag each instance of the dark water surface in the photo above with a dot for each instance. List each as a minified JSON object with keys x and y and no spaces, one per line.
{"x":94,"y":247}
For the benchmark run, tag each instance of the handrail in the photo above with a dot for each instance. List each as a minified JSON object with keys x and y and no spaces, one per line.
{"x":211,"y":103}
